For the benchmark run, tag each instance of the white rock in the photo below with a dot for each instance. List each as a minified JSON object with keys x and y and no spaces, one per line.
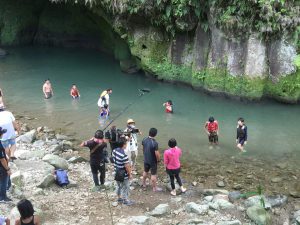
{"x":192,"y":207}
{"x":56,"y":161}
{"x":140,"y":219}
{"x":27,"y":137}
{"x":160,"y":210}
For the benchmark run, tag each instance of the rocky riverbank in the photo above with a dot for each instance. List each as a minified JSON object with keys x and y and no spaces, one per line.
{"x":40,"y":151}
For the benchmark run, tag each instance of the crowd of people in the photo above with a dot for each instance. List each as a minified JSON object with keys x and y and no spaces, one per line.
{"x":124,"y":151}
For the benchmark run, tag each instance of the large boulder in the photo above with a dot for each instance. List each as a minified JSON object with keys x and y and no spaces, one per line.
{"x":28,"y":137}
{"x":259,"y":215}
{"x":192,"y":207}
{"x":47,"y":181}
{"x":160,"y":210}
{"x":56,"y":161}
{"x":37,"y":154}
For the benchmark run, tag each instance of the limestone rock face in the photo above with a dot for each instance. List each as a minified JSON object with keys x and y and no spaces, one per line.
{"x":281,"y":58}
{"x":256,"y":58}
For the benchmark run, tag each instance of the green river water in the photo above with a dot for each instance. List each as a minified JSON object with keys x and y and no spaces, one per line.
{"x":273,"y":128}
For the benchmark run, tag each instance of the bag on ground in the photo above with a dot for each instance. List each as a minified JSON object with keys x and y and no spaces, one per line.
{"x":62,"y":177}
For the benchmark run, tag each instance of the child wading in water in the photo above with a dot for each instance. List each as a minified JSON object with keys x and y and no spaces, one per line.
{"x":169,"y":106}
{"x":212,"y":129}
{"x":241,"y":135}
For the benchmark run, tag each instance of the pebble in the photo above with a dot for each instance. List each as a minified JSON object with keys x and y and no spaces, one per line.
{"x":276,"y":180}
{"x":221,"y":184}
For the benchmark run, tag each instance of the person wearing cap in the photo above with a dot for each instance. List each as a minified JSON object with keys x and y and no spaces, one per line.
{"x":132,"y":146}
{"x":8,"y":122}
{"x":5,"y":171}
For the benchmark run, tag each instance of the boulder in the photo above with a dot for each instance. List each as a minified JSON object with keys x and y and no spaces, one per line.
{"x":259,"y":215}
{"x":234,"y":222}
{"x":66,"y":145}
{"x":140,"y":219}
{"x":17,"y":179}
{"x":277,"y":200}
{"x":38,"y":154}
{"x":160,"y":210}
{"x":47,"y":181}
{"x":28,"y":137}
{"x":192,"y":207}
{"x":56,"y":161}
{"x":223,"y":204}
{"x":77,"y":159}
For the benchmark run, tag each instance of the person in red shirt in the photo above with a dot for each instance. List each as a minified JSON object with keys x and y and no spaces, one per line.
{"x":169,"y":106}
{"x":212,"y":129}
{"x":74,"y":92}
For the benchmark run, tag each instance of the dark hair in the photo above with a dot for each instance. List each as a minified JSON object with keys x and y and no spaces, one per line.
{"x":121,"y":142}
{"x":152,"y":132}
{"x":241,"y":119}
{"x":170,"y":102}
{"x":99,"y":134}
{"x":109,"y":89}
{"x":25,"y":208}
{"x":105,"y":106}
{"x":172,"y":143}
{"x":211,"y":119}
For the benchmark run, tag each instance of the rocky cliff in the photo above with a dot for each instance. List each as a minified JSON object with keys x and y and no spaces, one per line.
{"x":237,"y":48}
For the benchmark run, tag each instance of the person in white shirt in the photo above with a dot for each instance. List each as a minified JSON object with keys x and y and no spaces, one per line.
{"x":8,"y":140}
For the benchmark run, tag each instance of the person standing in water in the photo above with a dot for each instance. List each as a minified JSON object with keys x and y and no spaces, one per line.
{"x":241,"y":135}
{"x":47,"y":89}
{"x":169,"y":106}
{"x":212,"y":129}
{"x":74,"y":92}
{"x":104,"y":98}
{"x":1,"y":99}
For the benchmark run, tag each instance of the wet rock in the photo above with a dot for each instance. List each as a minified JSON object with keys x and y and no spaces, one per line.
{"x":192,"y":207}
{"x":47,"y":181}
{"x":221,"y":184}
{"x":28,"y":137}
{"x":77,"y":159}
{"x":277,"y":200}
{"x":160,"y":210}
{"x":215,"y":191}
{"x":276,"y":180}
{"x":234,"y":196}
{"x":56,"y":161}
{"x":259,"y":215}
{"x":234,"y":222}
{"x":17,"y":179}
{"x":140,"y":219}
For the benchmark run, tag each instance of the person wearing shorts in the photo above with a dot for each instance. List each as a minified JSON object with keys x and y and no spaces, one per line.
{"x":151,"y":159}
{"x":8,"y":140}
{"x":212,"y":129}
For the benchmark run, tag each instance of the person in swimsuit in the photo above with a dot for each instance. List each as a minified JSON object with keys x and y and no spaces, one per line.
{"x":74,"y":92}
{"x":47,"y":89}
{"x":27,"y":214}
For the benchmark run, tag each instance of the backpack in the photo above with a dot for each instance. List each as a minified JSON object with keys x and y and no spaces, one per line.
{"x":62,"y":177}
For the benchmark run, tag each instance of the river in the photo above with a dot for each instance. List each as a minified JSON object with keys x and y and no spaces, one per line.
{"x":273,"y":127}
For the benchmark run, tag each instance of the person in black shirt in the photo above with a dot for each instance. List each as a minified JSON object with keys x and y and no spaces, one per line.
{"x":98,"y":152}
{"x":241,"y":134}
{"x":151,"y":159}
{"x":5,"y":171}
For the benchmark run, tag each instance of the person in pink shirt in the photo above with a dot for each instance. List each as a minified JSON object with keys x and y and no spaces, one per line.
{"x":172,"y":163}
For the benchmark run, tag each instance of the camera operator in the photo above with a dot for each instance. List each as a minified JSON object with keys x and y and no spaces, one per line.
{"x":131,"y":133}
